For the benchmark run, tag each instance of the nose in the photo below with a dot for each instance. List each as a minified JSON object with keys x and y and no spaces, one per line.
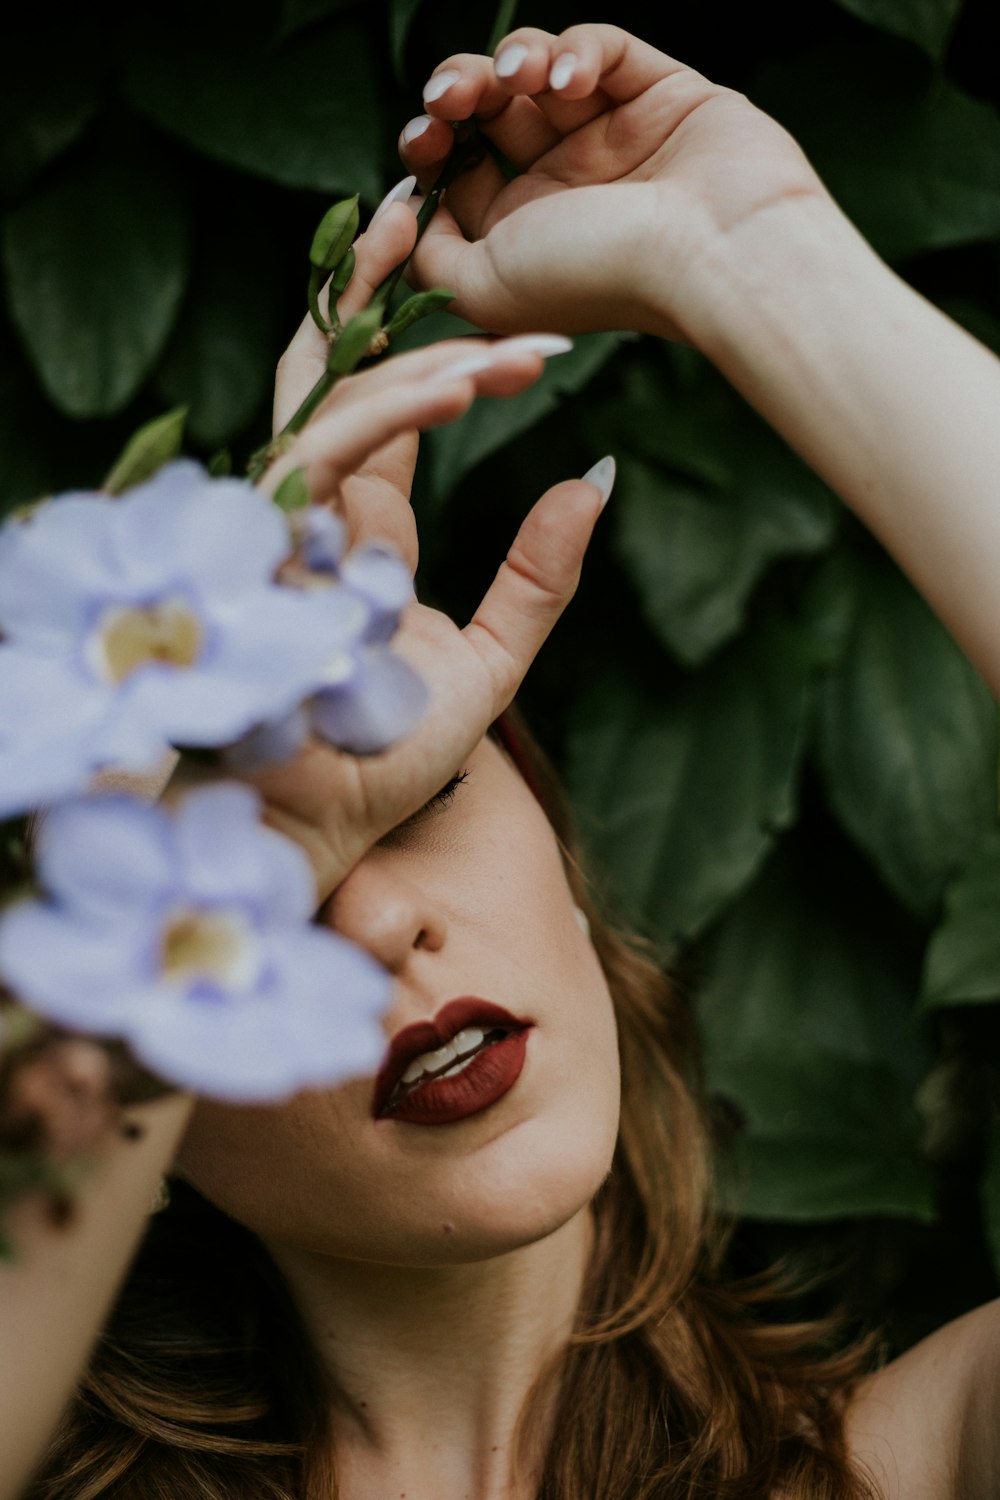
{"x":386,"y":913}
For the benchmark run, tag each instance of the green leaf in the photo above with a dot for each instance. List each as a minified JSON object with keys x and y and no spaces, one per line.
{"x":28,"y":436}
{"x":402,"y":14}
{"x":929,"y":23}
{"x":48,"y":99}
{"x":696,"y":547}
{"x":220,"y":360}
{"x":296,"y":15}
{"x":913,"y":160}
{"x":963,"y":957}
{"x":682,"y":785}
{"x":306,"y":115}
{"x":97,"y":261}
{"x":490,"y":424}
{"x":805,"y":1018}
{"x":990,"y":1193}
{"x":907,"y":738}
{"x":155,"y":444}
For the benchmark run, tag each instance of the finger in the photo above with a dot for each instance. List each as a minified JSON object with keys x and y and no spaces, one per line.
{"x":387,"y":241}
{"x":503,"y":368}
{"x":445,"y":257}
{"x":534,"y":585}
{"x":593,"y":56}
{"x":424,"y":389}
{"x":466,"y":85}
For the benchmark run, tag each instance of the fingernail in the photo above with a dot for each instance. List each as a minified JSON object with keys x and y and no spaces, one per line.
{"x":602,"y":477}
{"x":439,"y":84}
{"x":398,"y":194}
{"x":469,"y":364}
{"x":545,"y":344}
{"x":510,"y":60}
{"x":562,"y":70}
{"x":415,"y":127}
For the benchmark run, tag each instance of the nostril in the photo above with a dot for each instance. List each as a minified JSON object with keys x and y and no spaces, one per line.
{"x":422,"y":939}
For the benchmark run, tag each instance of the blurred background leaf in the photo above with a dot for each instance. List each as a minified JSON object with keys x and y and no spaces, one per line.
{"x":97,"y":260}
{"x":929,"y":23}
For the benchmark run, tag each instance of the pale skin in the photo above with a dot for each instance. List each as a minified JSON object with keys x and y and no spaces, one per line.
{"x":648,"y":198}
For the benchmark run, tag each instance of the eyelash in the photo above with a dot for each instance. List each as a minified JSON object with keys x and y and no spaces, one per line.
{"x":439,"y":799}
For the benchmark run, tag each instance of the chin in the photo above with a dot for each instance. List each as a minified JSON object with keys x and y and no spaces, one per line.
{"x":491,"y":1213}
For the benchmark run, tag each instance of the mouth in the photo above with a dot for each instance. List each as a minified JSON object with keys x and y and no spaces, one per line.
{"x":457,"y":1065}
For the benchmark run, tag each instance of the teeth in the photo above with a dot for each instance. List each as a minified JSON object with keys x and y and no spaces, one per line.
{"x":459,"y":1047}
{"x":467,"y":1040}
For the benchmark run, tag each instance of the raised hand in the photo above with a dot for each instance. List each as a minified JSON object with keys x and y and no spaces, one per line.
{"x":631,"y":167}
{"x":337,"y":805}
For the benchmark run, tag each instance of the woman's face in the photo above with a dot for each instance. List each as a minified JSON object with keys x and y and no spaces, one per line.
{"x":470,"y":898}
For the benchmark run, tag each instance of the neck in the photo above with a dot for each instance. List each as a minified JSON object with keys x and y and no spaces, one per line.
{"x":433,"y":1366}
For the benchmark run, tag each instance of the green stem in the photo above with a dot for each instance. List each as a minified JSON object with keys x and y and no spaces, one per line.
{"x":468,"y":146}
{"x":502,"y":24}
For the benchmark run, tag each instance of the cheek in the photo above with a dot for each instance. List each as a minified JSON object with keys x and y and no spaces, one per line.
{"x":271,"y":1168}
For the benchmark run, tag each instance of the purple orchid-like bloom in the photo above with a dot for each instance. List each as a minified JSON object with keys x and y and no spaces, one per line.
{"x":130,"y":624}
{"x":188,"y":935}
{"x":372,"y":697}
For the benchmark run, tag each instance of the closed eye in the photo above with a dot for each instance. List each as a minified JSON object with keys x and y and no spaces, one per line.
{"x":440,"y":799}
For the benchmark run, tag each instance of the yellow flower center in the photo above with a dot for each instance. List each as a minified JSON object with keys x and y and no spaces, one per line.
{"x":213,"y":945}
{"x":137,"y":635}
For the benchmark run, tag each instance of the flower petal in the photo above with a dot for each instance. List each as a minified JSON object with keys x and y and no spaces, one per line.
{"x":80,"y":975}
{"x":374,"y":708}
{"x":383,"y":580}
{"x":106,"y":855}
{"x":229,"y":857}
{"x":223,"y":535}
{"x":52,"y":566}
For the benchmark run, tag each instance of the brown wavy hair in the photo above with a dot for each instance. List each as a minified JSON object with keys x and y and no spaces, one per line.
{"x":206,"y":1386}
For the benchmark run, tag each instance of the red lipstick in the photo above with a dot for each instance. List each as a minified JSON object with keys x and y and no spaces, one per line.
{"x":493,"y":1066}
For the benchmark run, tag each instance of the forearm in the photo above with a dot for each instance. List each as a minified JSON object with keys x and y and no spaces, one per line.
{"x":892,"y":403}
{"x":59,"y":1287}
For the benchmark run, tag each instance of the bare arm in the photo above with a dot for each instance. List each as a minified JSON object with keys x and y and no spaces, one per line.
{"x":651,"y":198}
{"x":58,"y":1290}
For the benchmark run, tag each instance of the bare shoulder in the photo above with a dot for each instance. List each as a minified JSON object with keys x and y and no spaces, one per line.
{"x":927,"y":1426}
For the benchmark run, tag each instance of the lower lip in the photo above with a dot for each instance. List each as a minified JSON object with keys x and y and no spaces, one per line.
{"x":491,"y":1074}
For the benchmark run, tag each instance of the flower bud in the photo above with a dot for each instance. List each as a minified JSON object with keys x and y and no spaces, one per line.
{"x":333,"y":237}
{"x":416,"y":307}
{"x":355,"y":341}
{"x":155,"y":444}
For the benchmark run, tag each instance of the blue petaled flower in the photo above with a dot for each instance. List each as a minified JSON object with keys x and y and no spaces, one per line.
{"x":134,"y":623}
{"x":369,"y":697}
{"x":188,"y":935}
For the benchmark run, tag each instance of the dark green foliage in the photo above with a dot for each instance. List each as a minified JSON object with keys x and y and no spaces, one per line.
{"x":787,"y":772}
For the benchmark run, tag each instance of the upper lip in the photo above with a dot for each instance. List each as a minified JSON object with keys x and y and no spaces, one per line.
{"x":426,"y":1036}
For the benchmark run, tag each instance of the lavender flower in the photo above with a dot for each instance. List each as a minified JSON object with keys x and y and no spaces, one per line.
{"x":133,"y":623}
{"x":371,"y":697}
{"x":188,"y":935}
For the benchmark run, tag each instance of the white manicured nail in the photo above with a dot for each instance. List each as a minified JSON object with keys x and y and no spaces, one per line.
{"x":399,"y":194}
{"x":510,"y":59}
{"x":415,"y":127}
{"x":545,"y":344}
{"x":469,"y":364}
{"x":562,"y":70}
{"x":602,"y":477}
{"x":439,"y":84}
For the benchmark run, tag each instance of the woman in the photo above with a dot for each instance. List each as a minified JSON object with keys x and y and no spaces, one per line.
{"x":443,"y":1292}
